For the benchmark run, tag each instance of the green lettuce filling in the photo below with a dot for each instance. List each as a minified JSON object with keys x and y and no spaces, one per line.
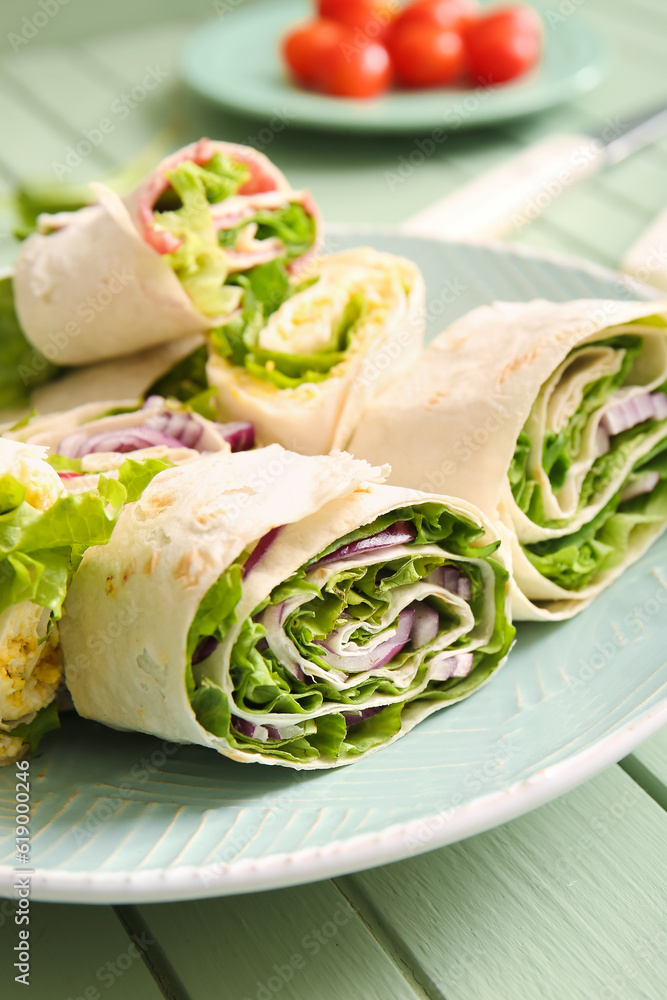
{"x":561,"y":448}
{"x":22,"y":367}
{"x":291,"y":224}
{"x":32,"y":732}
{"x":41,"y":550}
{"x":574,"y":561}
{"x":265,"y":289}
{"x":188,"y":383}
{"x":261,"y":683}
{"x":201,"y":262}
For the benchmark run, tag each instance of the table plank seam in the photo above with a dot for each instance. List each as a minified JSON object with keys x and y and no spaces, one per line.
{"x":393,"y":946}
{"x":153,"y":956}
{"x":645,"y":778}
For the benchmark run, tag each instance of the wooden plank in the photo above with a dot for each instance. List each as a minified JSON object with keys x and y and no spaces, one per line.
{"x":648,"y":767}
{"x":77,"y":952}
{"x":299,"y":943}
{"x":32,"y":144}
{"x":566,"y":903}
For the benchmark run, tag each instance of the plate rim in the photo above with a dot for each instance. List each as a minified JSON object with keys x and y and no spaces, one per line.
{"x":578,"y":81}
{"x":370,"y":850}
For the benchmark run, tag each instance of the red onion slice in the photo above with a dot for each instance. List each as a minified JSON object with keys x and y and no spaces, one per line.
{"x":452,"y":579}
{"x":630,"y":412}
{"x":206,"y":648}
{"x":644,"y":484}
{"x":243,"y":726}
{"x":444,"y":666}
{"x":382,"y":654}
{"x":260,"y":550}
{"x":239,"y":435}
{"x":354,"y":718}
{"x":177,"y":424}
{"x":120,"y":441}
{"x":426,"y":624}
{"x":399,"y":533}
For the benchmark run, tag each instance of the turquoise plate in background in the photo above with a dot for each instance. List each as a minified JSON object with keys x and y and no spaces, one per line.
{"x":235,"y":62}
{"x":124,"y":818}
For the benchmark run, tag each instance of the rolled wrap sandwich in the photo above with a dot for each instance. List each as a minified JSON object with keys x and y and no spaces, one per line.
{"x":301,"y":613}
{"x":181,"y":362}
{"x":98,"y":437}
{"x":44,"y":531}
{"x":302,"y":362}
{"x":126,"y":274}
{"x":553,"y":419}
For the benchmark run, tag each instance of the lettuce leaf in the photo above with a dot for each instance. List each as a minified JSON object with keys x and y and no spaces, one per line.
{"x":574,"y":561}
{"x":40,"y":550}
{"x":22,"y":367}
{"x":199,"y":262}
{"x":561,"y":448}
{"x":264,"y":290}
{"x":263,"y":684}
{"x":32,"y":732}
{"x":291,"y":224}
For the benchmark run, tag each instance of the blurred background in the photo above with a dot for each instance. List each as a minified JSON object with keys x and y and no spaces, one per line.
{"x":65,"y":66}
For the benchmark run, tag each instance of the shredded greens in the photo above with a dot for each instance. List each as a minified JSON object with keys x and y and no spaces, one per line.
{"x":263,"y":684}
{"x":265,"y":289}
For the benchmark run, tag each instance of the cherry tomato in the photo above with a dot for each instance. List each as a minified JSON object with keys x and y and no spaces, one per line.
{"x":503,"y":44}
{"x":372,"y":17}
{"x":354,"y":70}
{"x":453,"y":14}
{"x":425,"y":56}
{"x":305,"y":45}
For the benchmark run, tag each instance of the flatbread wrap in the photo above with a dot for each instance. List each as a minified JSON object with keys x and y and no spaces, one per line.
{"x":123,"y":275}
{"x":301,"y":612}
{"x":302,"y":362}
{"x":552,"y":418}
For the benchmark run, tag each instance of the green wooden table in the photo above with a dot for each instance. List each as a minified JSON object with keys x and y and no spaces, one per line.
{"x":567,"y":903}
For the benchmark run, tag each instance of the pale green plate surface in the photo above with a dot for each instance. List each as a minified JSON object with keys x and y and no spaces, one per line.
{"x":121,"y":818}
{"x":235,"y":62}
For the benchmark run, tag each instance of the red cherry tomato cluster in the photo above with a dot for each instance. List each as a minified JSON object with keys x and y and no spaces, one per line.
{"x":359,"y":48}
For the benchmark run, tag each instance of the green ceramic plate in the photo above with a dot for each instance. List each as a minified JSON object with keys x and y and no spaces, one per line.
{"x":234,"y":62}
{"x":120,"y":817}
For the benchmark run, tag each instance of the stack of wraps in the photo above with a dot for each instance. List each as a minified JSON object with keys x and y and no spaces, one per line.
{"x":553,"y":420}
{"x":44,"y":531}
{"x":123,"y":275}
{"x":285,"y":609}
{"x":302,"y":361}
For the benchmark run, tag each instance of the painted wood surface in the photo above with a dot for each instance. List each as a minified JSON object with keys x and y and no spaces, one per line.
{"x":567,"y":903}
